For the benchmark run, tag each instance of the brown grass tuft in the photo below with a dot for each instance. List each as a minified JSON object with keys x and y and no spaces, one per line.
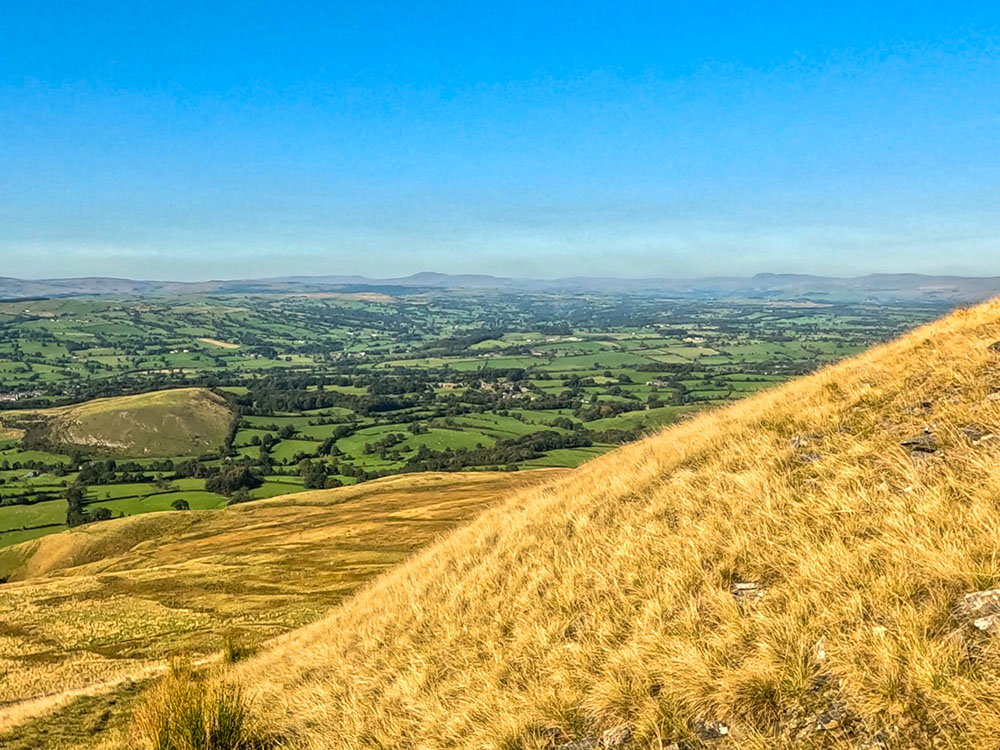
{"x":234,"y":649}
{"x":189,"y":712}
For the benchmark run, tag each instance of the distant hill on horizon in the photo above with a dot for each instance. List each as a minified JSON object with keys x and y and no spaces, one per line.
{"x":765,"y":286}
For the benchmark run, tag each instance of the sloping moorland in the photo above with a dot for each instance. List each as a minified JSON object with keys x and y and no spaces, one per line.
{"x":91,"y":608}
{"x":790,"y":571}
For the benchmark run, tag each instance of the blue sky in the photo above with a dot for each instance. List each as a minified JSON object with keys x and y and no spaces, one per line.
{"x":196,"y":140}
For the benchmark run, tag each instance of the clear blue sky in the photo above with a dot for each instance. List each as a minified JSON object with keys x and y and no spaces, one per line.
{"x":206,"y":139}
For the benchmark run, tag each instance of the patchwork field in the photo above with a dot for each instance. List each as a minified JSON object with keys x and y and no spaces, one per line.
{"x":205,"y":400}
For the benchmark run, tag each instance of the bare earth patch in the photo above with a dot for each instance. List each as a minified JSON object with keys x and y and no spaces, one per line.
{"x":222,"y":344}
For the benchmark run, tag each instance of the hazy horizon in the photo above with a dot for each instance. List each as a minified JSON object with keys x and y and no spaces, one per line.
{"x":185,"y":141}
{"x":514,"y":278}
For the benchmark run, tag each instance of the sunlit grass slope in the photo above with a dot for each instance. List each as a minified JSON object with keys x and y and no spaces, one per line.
{"x":114,"y":600}
{"x":179,"y":422}
{"x":779,"y":573}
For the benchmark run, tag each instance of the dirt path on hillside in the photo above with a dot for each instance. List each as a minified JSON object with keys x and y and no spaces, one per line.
{"x":13,"y":715}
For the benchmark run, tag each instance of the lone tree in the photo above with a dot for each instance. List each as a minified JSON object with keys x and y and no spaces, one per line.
{"x":100,"y":514}
{"x":75,"y":514}
{"x":180,"y":504}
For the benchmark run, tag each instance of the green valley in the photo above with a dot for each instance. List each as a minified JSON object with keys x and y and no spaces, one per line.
{"x":131,"y":405}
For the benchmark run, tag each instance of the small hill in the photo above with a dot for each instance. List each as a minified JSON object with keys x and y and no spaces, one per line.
{"x":89,"y":608}
{"x":797,"y":570}
{"x":180,"y":422}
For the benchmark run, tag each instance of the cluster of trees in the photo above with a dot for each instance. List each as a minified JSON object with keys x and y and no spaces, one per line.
{"x":315,"y":475}
{"x":506,"y":452}
{"x":76,"y":513}
{"x":112,"y":472}
{"x":231,"y":480}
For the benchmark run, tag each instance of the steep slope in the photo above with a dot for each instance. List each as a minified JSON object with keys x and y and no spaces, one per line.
{"x":179,"y":422}
{"x":781,"y":573}
{"x":113,"y":600}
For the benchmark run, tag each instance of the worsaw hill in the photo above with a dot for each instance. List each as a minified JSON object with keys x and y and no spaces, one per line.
{"x":183,"y":421}
{"x":812,"y":567}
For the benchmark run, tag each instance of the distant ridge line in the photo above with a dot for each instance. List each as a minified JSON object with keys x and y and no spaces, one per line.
{"x":901,"y":287}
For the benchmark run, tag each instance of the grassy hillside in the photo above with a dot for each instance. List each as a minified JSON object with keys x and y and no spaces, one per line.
{"x":785,"y":572}
{"x":88,"y":608}
{"x":180,"y":422}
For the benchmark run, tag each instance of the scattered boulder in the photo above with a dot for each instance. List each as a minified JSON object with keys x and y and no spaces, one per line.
{"x":819,"y":650}
{"x":975,"y":434}
{"x":924,"y":443}
{"x":981,"y":609}
{"x":801,"y":441}
{"x":833,"y":717}
{"x":809,"y":458}
{"x":710,"y":730}
{"x":747,"y":592}
{"x":618,"y":737}
{"x":995,"y":396}
{"x":978,"y":604}
{"x":994,"y":347}
{"x":989,"y":624}
{"x":922,"y":407}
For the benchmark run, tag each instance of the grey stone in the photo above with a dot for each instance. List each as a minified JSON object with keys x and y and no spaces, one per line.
{"x":617,"y":737}
{"x":925,"y":443}
{"x":988,"y":624}
{"x":978,"y":605}
{"x":801,"y":441}
{"x":833,"y":717}
{"x":975,"y":433}
{"x":710,"y":730}
{"x":747,"y":592}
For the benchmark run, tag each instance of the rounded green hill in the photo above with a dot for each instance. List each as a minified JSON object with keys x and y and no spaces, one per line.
{"x":180,"y":422}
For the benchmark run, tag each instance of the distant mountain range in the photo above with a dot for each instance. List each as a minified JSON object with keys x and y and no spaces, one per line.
{"x":764,"y":286}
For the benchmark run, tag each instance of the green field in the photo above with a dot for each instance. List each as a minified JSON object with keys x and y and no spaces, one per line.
{"x":211,"y":399}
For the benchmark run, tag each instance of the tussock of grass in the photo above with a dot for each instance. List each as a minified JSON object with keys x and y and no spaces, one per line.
{"x":235,"y":650}
{"x":189,"y":712}
{"x":606,"y":598}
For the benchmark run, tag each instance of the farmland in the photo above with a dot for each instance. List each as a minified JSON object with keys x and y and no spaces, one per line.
{"x":323,"y":391}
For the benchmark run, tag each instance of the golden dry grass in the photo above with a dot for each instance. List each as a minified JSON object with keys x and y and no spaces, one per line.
{"x":605,"y":597}
{"x":91,"y":607}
